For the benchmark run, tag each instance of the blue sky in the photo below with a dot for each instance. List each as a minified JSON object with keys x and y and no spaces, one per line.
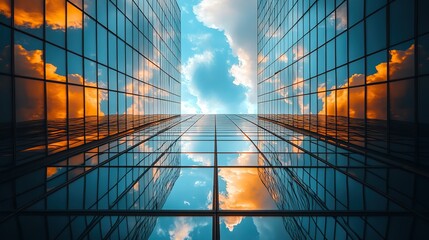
{"x":218,"y":56}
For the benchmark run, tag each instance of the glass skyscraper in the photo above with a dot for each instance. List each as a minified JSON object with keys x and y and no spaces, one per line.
{"x":74,"y":72}
{"x":93,"y":146}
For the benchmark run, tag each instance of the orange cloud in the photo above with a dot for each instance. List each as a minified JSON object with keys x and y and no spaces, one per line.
{"x":30,"y":15}
{"x":5,"y":9}
{"x":399,"y":64}
{"x":30,"y":63}
{"x":244,"y":191}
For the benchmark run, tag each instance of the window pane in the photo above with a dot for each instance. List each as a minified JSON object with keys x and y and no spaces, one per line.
{"x":28,"y":16}
{"x":74,"y":29}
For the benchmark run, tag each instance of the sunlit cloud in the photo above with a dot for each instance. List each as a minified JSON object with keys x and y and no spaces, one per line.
{"x":27,"y":14}
{"x":244,"y":191}
{"x":183,"y":227}
{"x":237,"y":19}
{"x":30,"y":63}
{"x":400,"y":63}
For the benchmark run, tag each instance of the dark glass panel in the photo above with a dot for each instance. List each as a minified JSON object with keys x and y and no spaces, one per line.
{"x":401,"y":21}
{"x":356,"y":41}
{"x":423,"y":53}
{"x":5,"y":50}
{"x":423,"y":99}
{"x":376,"y":31}
{"x":402,"y":100}
{"x":6,"y":141}
{"x":423,"y":17}
{"x":401,"y":62}
{"x":341,"y":49}
{"x":355,"y":11}
{"x":372,"y":5}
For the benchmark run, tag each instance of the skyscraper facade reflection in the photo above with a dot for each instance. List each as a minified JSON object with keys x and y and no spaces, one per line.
{"x":352,"y":71}
{"x":73,"y":72}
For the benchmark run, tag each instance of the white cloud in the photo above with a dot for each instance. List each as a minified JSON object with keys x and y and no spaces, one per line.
{"x":183,"y":227}
{"x":237,"y":19}
{"x":187,"y":203}
{"x":205,"y":105}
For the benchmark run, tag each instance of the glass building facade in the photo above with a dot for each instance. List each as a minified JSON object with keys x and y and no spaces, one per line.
{"x":214,"y":177}
{"x":74,"y":72}
{"x":354,"y":72}
{"x":92,"y":145}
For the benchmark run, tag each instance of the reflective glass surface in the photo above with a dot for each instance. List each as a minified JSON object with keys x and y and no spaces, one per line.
{"x":164,"y":182}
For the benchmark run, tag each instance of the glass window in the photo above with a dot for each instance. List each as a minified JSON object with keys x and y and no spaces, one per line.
{"x":29,"y":17}
{"x":423,"y":99}
{"x":401,"y":21}
{"x":5,"y":49}
{"x":75,"y":68}
{"x":423,"y":53}
{"x":341,"y":48}
{"x":376,"y":68}
{"x":401,"y":64}
{"x":90,"y":7}
{"x":402,"y":100}
{"x":30,"y":104}
{"x":55,"y":63}
{"x":102,"y":44}
{"x":56,"y":112}
{"x":341,"y":18}
{"x":355,"y":11}
{"x":74,"y":28}
{"x":75,"y":101}
{"x":423,"y":17}
{"x":102,"y":76}
{"x":113,"y":81}
{"x":102,"y":11}
{"x":112,"y":51}
{"x":357,"y":73}
{"x":376,"y":100}
{"x":356,"y":39}
{"x":112,"y":19}
{"x":330,"y":55}
{"x":55,"y":22}
{"x":90,"y":73}
{"x":28,"y":56}
{"x":5,"y":12}
{"x":357,"y":102}
{"x":89,"y":35}
{"x":376,"y":31}
{"x":372,"y":5}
